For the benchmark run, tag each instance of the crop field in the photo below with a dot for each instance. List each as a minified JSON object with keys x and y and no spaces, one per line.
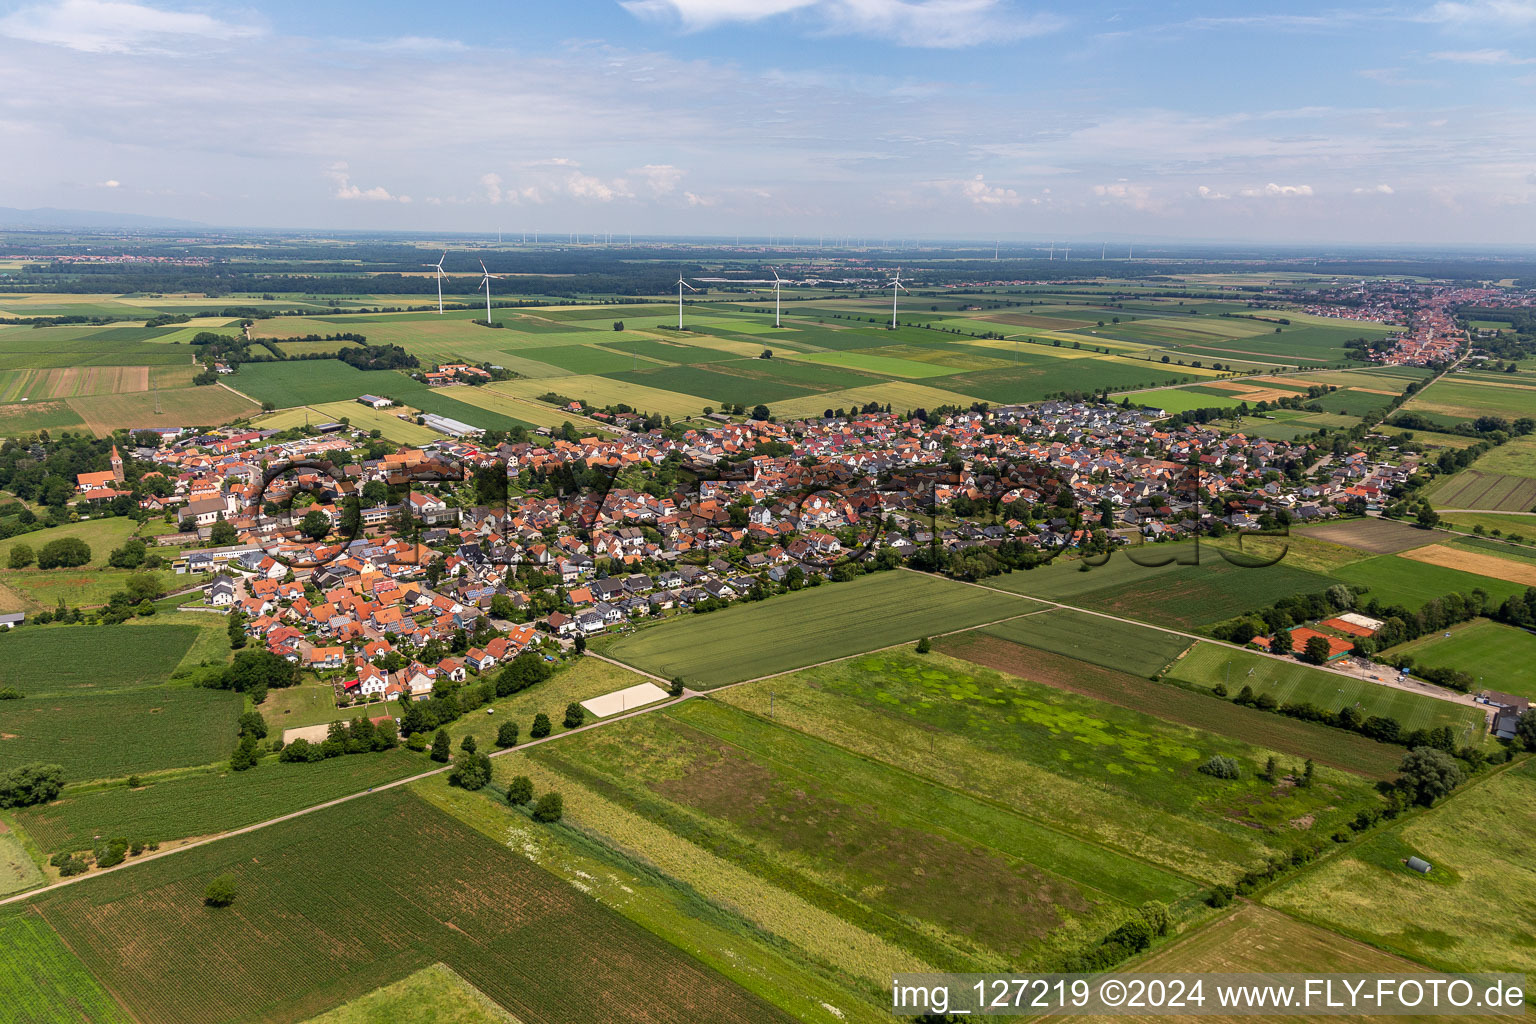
{"x":42,"y":982}
{"x":178,"y":407}
{"x":1486,"y":492}
{"x":1453,"y":918}
{"x":901,"y":396}
{"x":360,"y":895}
{"x":1178,"y":596}
{"x":832,"y":621}
{"x":68,"y":382}
{"x":1044,"y":376}
{"x":1177,"y":704}
{"x":1291,"y":682}
{"x":1500,"y":566}
{"x":1394,"y":579}
{"x":17,"y":869}
{"x":527,"y":410}
{"x":1183,"y":400}
{"x":58,"y":659}
{"x":1493,"y":523}
{"x":953,"y":879}
{"x":1046,"y":754}
{"x":313,"y":381}
{"x":1500,"y":657}
{"x":713,"y":387}
{"x":42,"y":348}
{"x":1378,"y":536}
{"x":17,"y":418}
{"x":205,"y":803}
{"x":433,"y":995}
{"x":1094,"y":639}
{"x":601,"y":391}
{"x":383,"y":420}
{"x":1468,"y":399}
{"x":108,"y":735}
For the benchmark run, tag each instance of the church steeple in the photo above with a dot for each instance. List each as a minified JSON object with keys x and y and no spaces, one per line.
{"x":117,"y":465}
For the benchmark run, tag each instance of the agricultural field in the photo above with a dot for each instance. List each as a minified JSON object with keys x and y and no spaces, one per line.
{"x":1377,"y":536}
{"x":1395,"y":579}
{"x":1291,"y":682}
{"x":1500,"y":657}
{"x":17,"y":869}
{"x":207,"y":802}
{"x":39,"y":589}
{"x":1476,"y":490}
{"x":42,"y":982}
{"x":1493,"y":523}
{"x":208,"y":406}
{"x":1046,"y":754}
{"x":1464,"y":399}
{"x":46,"y":660}
{"x":831,"y":621}
{"x":110,"y":735}
{"x":1121,"y":646}
{"x":1502,"y":563}
{"x":901,"y":396}
{"x":1454,"y":918}
{"x":316,"y":381}
{"x":433,"y":995}
{"x":601,"y":391}
{"x":436,"y":891}
{"x":863,"y":840}
{"x":1176,"y":704}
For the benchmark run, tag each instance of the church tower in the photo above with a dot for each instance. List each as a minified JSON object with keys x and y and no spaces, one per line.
{"x":117,"y":465}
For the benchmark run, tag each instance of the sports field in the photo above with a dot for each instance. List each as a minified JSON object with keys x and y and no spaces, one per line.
{"x":1453,"y":918}
{"x":1178,"y":704}
{"x":1500,"y":657}
{"x":1047,"y":754}
{"x":756,"y":639}
{"x":360,"y":895}
{"x":1291,"y":682}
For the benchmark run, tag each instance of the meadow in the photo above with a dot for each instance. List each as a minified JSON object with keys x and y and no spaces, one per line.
{"x":1459,"y":916}
{"x":101,"y":535}
{"x":1500,"y":657}
{"x":1047,"y":754}
{"x":1178,"y":704}
{"x":357,"y":896}
{"x":1466,"y":399}
{"x":575,"y":681}
{"x":42,"y":661}
{"x":433,"y":995}
{"x":1291,"y":682}
{"x":110,"y":735}
{"x":1394,"y":579}
{"x":208,"y":406}
{"x":17,"y":869}
{"x":207,"y":802}
{"x":960,"y":882}
{"x":746,"y":641}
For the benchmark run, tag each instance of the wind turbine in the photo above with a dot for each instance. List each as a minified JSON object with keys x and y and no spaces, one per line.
{"x":681,"y":284}
{"x":776,"y":282}
{"x":896,"y":288}
{"x":485,"y":282}
{"x":1053,"y":252}
{"x":440,"y":275}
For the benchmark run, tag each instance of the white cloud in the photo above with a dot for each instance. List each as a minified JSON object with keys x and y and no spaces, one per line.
{"x":339,"y":174}
{"x":694,"y":199}
{"x":580,"y":185}
{"x":118,"y":26}
{"x":1375,"y":190}
{"x":1476,"y":13}
{"x":1137,"y":197}
{"x":1489,"y":57}
{"x":977,"y":191}
{"x":1274,"y":191}
{"x":109,"y":183}
{"x":660,"y":179}
{"x":938,"y":24}
{"x":1206,"y":192}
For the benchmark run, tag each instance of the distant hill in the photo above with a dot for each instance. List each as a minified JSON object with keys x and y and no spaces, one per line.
{"x":49,"y":217}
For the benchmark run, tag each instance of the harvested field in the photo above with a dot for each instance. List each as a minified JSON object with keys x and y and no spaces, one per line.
{"x":1472,"y":561}
{"x":1378,"y":536}
{"x":179,"y":407}
{"x":1487,"y":492}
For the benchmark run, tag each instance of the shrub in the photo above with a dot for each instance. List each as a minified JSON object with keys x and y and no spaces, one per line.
{"x":30,"y":784}
{"x":1221,"y":767}
{"x":541,"y":726}
{"x":21,"y":556}
{"x":1220,"y":896}
{"x":520,"y":790}
{"x":442,"y":747}
{"x":111,"y":853}
{"x":64,"y":553}
{"x":506,"y":734}
{"x":924,"y":646}
{"x":549,"y":808}
{"x":575,"y":714}
{"x":10,"y":693}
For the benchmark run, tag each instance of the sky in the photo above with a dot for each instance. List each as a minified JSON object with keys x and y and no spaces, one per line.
{"x":893,"y":119}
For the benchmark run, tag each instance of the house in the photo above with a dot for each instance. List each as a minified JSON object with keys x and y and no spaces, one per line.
{"x":10,"y":620}
{"x":326,"y":658}
{"x":206,"y":511}
{"x":221,"y":593}
{"x":479,"y":660}
{"x":1505,"y":721}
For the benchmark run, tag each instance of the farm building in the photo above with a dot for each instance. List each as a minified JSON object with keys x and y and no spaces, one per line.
{"x":374,"y":401}
{"x":451,"y":427}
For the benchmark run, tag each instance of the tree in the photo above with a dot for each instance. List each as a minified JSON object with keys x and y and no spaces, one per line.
{"x":618,"y":325}
{"x":1268,"y":774}
{"x":924,"y":645}
{"x":1428,"y":774}
{"x":506,"y":734}
{"x":575,"y":714}
{"x":1220,"y":767}
{"x":522,"y":672}
{"x":442,"y":747}
{"x":520,"y":790}
{"x":549,"y":808}
{"x":1427,"y":518}
{"x":21,"y":556}
{"x":1155,"y":913}
{"x":676,"y":689}
{"x":470,"y":771}
{"x":30,"y":784}
{"x":541,"y":726}
{"x":1525,"y":730}
{"x":223,"y":533}
{"x":257,"y":671}
{"x":130,"y":556}
{"x":64,"y":553}
{"x":253,"y":724}
{"x":220,"y":892}
{"x":1317,"y":649}
{"x":759,"y":412}
{"x":315,"y":524}
{"x":581,"y":644}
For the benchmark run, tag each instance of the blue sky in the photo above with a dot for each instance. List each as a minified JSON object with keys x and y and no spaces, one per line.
{"x":1410,"y":122}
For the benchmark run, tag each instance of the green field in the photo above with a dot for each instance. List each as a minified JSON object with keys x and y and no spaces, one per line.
{"x":1094,"y":639}
{"x":958,"y":881}
{"x":102,"y":535}
{"x":42,"y":982}
{"x":433,"y":995}
{"x":1048,"y":754}
{"x":109,"y":735}
{"x":1506,"y":524}
{"x":1291,"y":682}
{"x":1500,"y":657}
{"x":315,"y":381}
{"x":57,"y":659}
{"x":354,"y":897}
{"x":1458,"y":917}
{"x":208,"y":802}
{"x":1488,"y":492}
{"x":1467,"y":399}
{"x":574,"y":681}
{"x":1394,"y":580}
{"x":798,"y":629}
